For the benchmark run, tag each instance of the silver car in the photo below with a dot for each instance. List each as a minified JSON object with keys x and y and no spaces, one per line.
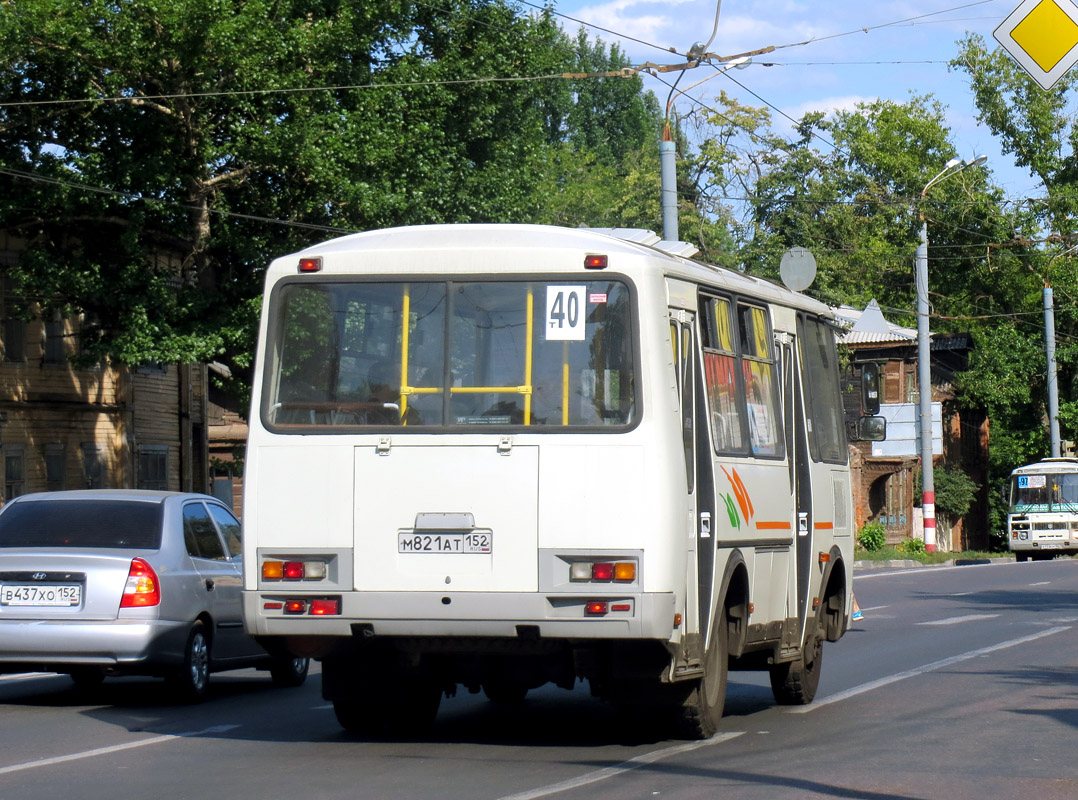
{"x":111,"y":582}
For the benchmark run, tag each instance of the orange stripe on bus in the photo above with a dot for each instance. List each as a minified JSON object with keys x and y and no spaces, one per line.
{"x":772,"y":526}
{"x":823,"y":526}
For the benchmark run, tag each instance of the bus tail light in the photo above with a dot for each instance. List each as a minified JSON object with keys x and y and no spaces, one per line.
{"x":304,"y":606}
{"x":321,"y":608}
{"x":602,"y":571}
{"x":293,"y":570}
{"x":312,"y":264}
{"x":596,"y":608}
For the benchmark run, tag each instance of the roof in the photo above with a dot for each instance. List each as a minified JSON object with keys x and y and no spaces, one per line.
{"x":516,"y":248}
{"x":870,"y":327}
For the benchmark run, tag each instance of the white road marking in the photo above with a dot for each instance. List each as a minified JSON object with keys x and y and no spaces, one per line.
{"x":874,"y":608}
{"x":626,"y":766}
{"x":100,"y":751}
{"x":911,"y":673}
{"x":958,"y":620}
{"x":25,"y":676}
{"x":1040,"y":583}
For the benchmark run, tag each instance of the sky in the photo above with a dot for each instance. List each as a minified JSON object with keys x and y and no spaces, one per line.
{"x":856,"y":50}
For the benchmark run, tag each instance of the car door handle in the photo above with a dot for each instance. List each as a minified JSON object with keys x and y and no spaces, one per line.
{"x":209,"y":584}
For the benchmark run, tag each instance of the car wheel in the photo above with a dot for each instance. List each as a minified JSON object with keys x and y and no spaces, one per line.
{"x":289,"y":672}
{"x":193,"y":679}
{"x":87,"y":678}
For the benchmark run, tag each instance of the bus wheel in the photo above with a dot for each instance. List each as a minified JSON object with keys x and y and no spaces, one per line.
{"x":1021,"y":556}
{"x":702,"y":709}
{"x":505,"y":693}
{"x":400,"y":709}
{"x":795,"y":682}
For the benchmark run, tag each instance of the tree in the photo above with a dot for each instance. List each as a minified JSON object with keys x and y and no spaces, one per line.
{"x":153,"y":148}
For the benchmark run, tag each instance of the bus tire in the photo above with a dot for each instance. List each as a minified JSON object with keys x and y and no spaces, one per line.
{"x":1021,"y":556}
{"x":702,"y":709}
{"x":397,"y":710}
{"x":505,"y":693}
{"x":795,"y":682}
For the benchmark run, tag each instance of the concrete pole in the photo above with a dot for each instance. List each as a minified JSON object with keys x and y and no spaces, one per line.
{"x":1053,"y":387}
{"x":668,"y":173}
{"x":924,"y":381}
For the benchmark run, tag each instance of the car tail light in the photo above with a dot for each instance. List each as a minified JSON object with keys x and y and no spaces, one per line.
{"x":143,"y":588}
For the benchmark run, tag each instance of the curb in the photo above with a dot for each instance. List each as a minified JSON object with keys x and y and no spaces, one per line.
{"x":909,"y":563}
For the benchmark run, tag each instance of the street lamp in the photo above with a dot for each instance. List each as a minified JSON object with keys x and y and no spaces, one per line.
{"x":924,"y":367}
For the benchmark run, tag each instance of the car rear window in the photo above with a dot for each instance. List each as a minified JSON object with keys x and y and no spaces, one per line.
{"x":82,"y":523}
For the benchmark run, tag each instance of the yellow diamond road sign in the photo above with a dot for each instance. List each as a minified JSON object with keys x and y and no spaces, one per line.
{"x":1042,"y":36}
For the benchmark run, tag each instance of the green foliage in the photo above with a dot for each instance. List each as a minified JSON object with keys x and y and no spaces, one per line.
{"x":955,"y":492}
{"x":872,"y":536}
{"x":911,"y":546}
{"x":165,"y":140}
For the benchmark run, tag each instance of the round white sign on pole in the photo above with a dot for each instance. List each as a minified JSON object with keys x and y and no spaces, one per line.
{"x":797,"y":269}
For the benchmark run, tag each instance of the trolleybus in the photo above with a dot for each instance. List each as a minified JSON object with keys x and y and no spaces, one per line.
{"x":497,"y":456}
{"x":1042,"y":521}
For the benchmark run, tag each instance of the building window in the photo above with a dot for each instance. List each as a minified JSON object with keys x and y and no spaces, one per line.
{"x":54,"y":467}
{"x":153,"y":467}
{"x":14,"y":328}
{"x":93,"y":463}
{"x":13,"y":473}
{"x":56,"y":350}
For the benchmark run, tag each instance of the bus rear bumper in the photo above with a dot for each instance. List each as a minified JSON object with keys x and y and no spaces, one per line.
{"x":486,"y":614}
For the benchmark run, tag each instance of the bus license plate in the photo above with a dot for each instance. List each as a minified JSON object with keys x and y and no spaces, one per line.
{"x":411,"y":542}
{"x":15,"y":594}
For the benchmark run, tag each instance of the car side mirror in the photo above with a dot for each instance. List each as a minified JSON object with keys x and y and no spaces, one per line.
{"x":870,"y":388}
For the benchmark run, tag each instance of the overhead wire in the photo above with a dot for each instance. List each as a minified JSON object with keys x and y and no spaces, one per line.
{"x":167,"y":203}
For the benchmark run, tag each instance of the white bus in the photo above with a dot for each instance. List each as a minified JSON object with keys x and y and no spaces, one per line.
{"x":496,"y":456}
{"x":1042,"y":521}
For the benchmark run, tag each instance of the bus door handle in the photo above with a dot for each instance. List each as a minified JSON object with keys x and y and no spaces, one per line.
{"x":802,"y":523}
{"x":705,"y":524}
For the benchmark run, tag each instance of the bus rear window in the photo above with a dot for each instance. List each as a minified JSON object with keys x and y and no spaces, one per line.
{"x":547,"y":354}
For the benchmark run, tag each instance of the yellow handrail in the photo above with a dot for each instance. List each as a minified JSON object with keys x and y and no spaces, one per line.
{"x":526,"y":389}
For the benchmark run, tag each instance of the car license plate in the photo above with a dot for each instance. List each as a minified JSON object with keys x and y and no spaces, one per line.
{"x":445,"y":542}
{"x":15,"y":594}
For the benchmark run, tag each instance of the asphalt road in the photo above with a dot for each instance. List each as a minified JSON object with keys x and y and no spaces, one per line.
{"x":961,"y":682}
